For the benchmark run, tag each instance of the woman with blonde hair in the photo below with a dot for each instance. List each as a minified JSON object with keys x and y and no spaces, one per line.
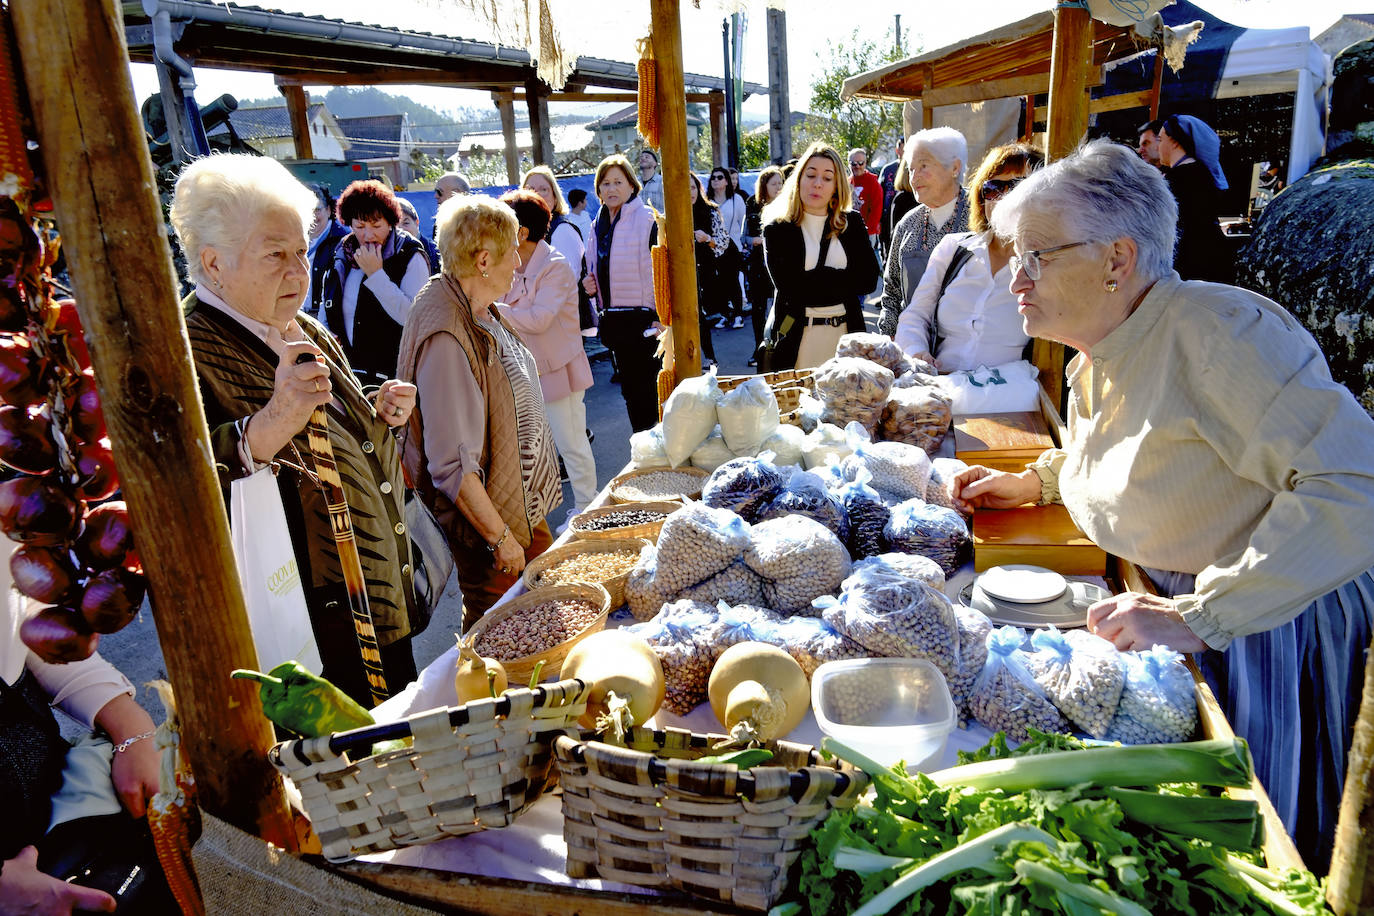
{"x":563,"y":234}
{"x":620,"y":274}
{"x":819,"y":258}
{"x":477,"y":445}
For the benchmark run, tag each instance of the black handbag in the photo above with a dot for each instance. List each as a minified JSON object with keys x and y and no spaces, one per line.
{"x":431,"y":560}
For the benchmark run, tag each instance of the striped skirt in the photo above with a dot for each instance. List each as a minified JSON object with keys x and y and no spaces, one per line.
{"x":1294,"y":693}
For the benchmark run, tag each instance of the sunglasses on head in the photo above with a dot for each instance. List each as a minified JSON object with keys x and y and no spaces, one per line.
{"x":997,"y":188}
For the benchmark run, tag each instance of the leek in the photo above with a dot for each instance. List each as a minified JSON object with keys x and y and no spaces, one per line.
{"x":1218,"y":762}
{"x":852,"y":858}
{"x":1231,"y":822}
{"x":1265,"y":885}
{"x":1093,"y":896}
{"x":976,"y":853}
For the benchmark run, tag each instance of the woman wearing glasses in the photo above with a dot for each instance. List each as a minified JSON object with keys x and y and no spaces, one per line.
{"x":962,"y":313}
{"x":731,"y":206}
{"x":1207,"y":442}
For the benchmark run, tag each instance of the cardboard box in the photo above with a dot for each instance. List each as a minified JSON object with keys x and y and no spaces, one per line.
{"x":1039,"y":535}
{"x":1002,"y":441}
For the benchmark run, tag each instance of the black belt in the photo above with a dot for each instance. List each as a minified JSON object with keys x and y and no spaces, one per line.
{"x":834,"y":321}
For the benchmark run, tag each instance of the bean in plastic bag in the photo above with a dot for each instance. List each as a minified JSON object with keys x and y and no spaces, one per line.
{"x":798,"y":560}
{"x":974,"y":628}
{"x":879,"y":348}
{"x":735,"y":584}
{"x":852,"y":390}
{"x":813,"y":642}
{"x":689,"y":416}
{"x":911,"y":565}
{"x":646,"y":448}
{"x":931,"y":531}
{"x":939,"y":489}
{"x":893,"y":615}
{"x":748,"y":415}
{"x":1158,"y":703}
{"x":1083,"y":675}
{"x":896,"y":467}
{"x":868,"y":516}
{"x":712,"y":453}
{"x":678,"y":635}
{"x":697,"y":541}
{"x":918,"y":416}
{"x":806,"y":495}
{"x":786,"y":444}
{"x":645,"y":592}
{"x":744,"y":486}
{"x":809,"y":411}
{"x":1006,"y":696}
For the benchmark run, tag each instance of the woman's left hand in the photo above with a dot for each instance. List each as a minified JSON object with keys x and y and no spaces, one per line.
{"x":135,"y":775}
{"x":1132,"y":621}
{"x":395,"y":401}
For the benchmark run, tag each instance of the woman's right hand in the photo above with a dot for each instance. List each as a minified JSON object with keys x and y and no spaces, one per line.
{"x":978,"y":487}
{"x":589,"y":284}
{"x":296,"y":391}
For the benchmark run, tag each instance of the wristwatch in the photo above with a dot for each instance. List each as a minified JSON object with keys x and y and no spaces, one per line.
{"x":499,"y":541}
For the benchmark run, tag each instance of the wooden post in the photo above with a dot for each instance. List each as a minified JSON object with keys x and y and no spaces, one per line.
{"x":541,"y":136}
{"x":1156,"y":82}
{"x":1029,"y":134}
{"x":1350,"y":883}
{"x":1069,"y":57}
{"x":76,"y":68}
{"x":507,"y":110}
{"x":779,"y":109}
{"x":665,"y":31}
{"x":174,"y":113}
{"x":718,"y":146}
{"x":299,"y":109}
{"x":927,"y":111}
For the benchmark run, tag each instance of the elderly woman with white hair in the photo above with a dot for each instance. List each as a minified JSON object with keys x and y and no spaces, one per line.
{"x":1208,"y":443}
{"x":264,"y":367}
{"x":935,"y":168}
{"x":478,"y":446}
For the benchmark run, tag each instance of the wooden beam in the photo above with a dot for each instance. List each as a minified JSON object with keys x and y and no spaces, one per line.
{"x":622,"y":98}
{"x":665,"y":32}
{"x":299,"y":110}
{"x":1122,"y":102}
{"x":1068,"y":117}
{"x":541,"y":140}
{"x":1156,"y":82}
{"x":987,"y":90}
{"x":718,"y":145}
{"x":75,"y":66}
{"x":174,"y":113}
{"x":458,"y":74}
{"x":779,"y":109}
{"x":507,"y":110}
{"x":927,"y":114}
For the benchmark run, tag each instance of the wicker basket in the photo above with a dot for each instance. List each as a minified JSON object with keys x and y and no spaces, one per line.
{"x":520,"y":669}
{"x":628,"y":476}
{"x":645,"y":814}
{"x":785,"y":378}
{"x":647,"y":530}
{"x":469,"y":768}
{"x":614,"y":586}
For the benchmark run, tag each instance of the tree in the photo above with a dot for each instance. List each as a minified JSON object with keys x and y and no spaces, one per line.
{"x":865,"y":123}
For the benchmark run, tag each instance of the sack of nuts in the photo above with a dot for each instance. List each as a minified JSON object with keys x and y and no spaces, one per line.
{"x":686,"y":660}
{"x":918,"y":416}
{"x":879,"y":348}
{"x":798,"y":560}
{"x":852,"y":390}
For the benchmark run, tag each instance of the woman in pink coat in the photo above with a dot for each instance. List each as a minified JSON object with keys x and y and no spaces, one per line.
{"x":542,"y":307}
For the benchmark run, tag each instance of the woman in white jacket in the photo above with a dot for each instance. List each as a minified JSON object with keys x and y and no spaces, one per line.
{"x":542,"y":306}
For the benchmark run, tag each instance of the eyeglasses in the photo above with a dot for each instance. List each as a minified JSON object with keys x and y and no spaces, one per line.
{"x":718,"y":177}
{"x":1030,"y":261}
{"x":997,"y":188}
{"x":858,"y":163}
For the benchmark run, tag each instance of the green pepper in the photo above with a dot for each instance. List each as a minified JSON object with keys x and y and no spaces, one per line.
{"x":744,"y":759}
{"x":305,"y":703}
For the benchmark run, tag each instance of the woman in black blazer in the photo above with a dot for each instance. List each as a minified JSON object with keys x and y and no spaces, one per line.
{"x":817,"y":252}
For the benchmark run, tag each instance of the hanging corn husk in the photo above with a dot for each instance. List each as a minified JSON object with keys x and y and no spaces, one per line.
{"x":173,"y":816}
{"x":16,"y":177}
{"x":648,"y":93}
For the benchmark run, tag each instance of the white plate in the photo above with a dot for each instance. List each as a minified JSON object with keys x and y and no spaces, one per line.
{"x":1022,"y":584}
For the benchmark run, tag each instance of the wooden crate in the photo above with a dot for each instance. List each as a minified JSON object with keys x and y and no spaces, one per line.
{"x":1002,"y":441}
{"x":1039,"y":535}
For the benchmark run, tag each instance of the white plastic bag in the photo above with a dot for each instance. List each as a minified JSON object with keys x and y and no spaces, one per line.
{"x":1007,"y":388}
{"x":786,"y":444}
{"x":272,"y":589}
{"x":712,"y":453}
{"x":826,"y":444}
{"x":646,"y":448}
{"x":748,"y":415}
{"x":689,"y":416}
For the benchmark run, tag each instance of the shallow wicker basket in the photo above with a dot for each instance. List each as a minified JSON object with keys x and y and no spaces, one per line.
{"x":645,"y":814}
{"x":614,"y":486}
{"x":469,"y":768}
{"x":520,"y":669}
{"x":647,"y":530}
{"x":614,"y":586}
{"x":784,"y":378}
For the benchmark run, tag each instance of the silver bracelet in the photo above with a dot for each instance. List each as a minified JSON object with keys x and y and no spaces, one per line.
{"x":127,"y":743}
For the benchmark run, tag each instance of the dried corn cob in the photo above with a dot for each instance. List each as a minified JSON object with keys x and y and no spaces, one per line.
{"x":173,"y":817}
{"x":16,"y":178}
{"x":666,"y":383}
{"x":647,"y":68}
{"x":663,"y":300}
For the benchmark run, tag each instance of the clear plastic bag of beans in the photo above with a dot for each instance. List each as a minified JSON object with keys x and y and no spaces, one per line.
{"x":867,"y":513}
{"x":735,"y":584}
{"x":918,"y":416}
{"x":744,"y":486}
{"x":896,"y":467}
{"x":1158,"y":701}
{"x":879,"y":348}
{"x":974,"y":627}
{"x":805,"y":495}
{"x":1006,"y":697}
{"x":932,"y":531}
{"x":798,"y":560}
{"x":696,"y":542}
{"x":1083,"y":674}
{"x":680,"y":637}
{"x":852,"y":390}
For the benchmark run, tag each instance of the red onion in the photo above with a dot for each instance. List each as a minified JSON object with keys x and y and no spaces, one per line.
{"x":95,"y":469}
{"x":58,"y":635}
{"x":34,"y":510}
{"x":20,"y":371}
{"x":88,"y":421}
{"x":44,"y":573}
{"x":69,"y":321}
{"x":25,"y":441}
{"x":106,"y":540}
{"x":112,"y":599}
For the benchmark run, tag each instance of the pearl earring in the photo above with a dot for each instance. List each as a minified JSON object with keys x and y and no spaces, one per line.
{"x":485,"y":274}
{"x":1110,"y":286}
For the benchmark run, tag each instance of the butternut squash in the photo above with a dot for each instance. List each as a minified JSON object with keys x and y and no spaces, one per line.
{"x":477,"y":678}
{"x":758,"y":692}
{"x":625,"y":679}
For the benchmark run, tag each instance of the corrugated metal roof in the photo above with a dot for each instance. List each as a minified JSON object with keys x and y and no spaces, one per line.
{"x":268,"y":122}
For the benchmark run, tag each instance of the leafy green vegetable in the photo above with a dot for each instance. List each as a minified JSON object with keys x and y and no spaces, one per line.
{"x":743,"y":759}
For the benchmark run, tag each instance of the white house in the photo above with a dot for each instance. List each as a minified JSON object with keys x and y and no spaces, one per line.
{"x":268,"y":130}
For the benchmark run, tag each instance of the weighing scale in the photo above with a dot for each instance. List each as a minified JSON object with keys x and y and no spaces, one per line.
{"x":1031,"y":596}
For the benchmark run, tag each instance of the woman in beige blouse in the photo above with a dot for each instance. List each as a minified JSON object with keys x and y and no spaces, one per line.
{"x":1207,"y":442}
{"x":477,"y":444}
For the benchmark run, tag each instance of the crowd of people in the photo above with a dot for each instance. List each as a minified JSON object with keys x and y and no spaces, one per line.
{"x":452,"y":362}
